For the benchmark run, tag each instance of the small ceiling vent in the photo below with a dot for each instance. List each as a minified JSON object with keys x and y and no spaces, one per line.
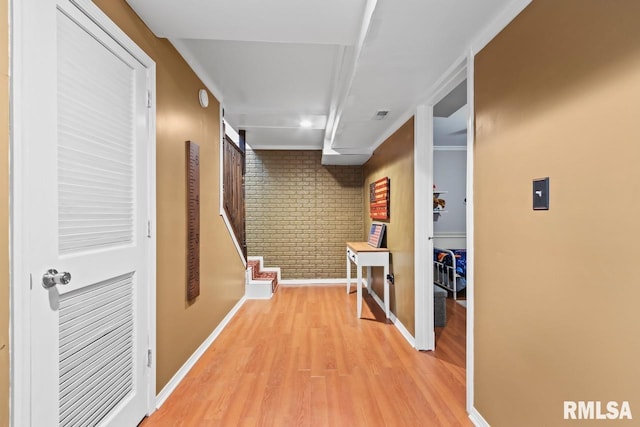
{"x":380,"y":115}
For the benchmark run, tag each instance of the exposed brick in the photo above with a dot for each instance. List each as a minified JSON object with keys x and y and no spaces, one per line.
{"x":300,"y":213}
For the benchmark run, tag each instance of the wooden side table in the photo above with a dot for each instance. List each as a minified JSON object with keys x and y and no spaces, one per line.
{"x":364,"y":255}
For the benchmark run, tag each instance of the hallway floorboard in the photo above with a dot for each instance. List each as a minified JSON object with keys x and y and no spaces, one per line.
{"x":304,"y":359}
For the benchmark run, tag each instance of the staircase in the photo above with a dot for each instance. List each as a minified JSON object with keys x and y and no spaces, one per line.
{"x":261,"y":282}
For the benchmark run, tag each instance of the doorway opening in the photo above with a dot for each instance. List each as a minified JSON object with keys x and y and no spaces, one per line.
{"x":450,"y":94}
{"x":449,"y":190}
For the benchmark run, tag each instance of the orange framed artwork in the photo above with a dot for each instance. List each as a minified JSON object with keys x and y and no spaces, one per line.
{"x":379,"y":199}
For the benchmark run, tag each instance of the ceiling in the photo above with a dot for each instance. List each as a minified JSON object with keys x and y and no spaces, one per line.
{"x":332,"y":63}
{"x":450,"y":118}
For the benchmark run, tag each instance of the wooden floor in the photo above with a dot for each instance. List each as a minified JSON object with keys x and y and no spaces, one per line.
{"x":304,"y":359}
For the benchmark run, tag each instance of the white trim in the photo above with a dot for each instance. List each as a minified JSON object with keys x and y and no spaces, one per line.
{"x":227,"y":223}
{"x":337,"y":78}
{"x":349,"y":151}
{"x":152,"y":242}
{"x":449,"y":148}
{"x":221,"y":162}
{"x":477,"y":419}
{"x":470,"y":275}
{"x":397,"y":323}
{"x":313,"y":282}
{"x":498,"y":24}
{"x":258,"y":289}
{"x":198,"y":69}
{"x":20,"y":310}
{"x":186,"y":367}
{"x":459,"y":70}
{"x":231,"y":132}
{"x":423,"y":228}
{"x":423,"y":225}
{"x":96,"y":14}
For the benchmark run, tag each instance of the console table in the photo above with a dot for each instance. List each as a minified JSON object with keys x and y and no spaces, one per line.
{"x":364,"y":255}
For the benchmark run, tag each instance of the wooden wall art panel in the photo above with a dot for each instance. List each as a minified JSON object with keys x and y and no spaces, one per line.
{"x":193,"y":220}
{"x":379,"y":199}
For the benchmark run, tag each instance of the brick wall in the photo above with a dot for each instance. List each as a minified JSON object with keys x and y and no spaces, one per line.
{"x":299,"y":213}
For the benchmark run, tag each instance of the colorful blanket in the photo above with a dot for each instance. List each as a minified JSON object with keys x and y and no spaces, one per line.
{"x":459,"y":254}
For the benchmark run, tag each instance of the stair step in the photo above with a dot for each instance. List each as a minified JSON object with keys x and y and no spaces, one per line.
{"x":258,"y":274}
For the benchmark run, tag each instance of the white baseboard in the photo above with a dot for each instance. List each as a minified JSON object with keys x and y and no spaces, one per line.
{"x":398,"y":324}
{"x":314,"y":282}
{"x":477,"y":419}
{"x":258,"y":289}
{"x":184,"y":369}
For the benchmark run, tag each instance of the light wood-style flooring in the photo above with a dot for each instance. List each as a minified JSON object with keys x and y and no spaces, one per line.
{"x":304,"y":359}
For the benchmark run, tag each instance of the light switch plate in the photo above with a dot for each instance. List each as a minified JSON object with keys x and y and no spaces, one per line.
{"x":541,"y":194}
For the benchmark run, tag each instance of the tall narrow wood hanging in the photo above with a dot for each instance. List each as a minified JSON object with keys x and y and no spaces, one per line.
{"x":379,"y":199}
{"x":193,"y":220}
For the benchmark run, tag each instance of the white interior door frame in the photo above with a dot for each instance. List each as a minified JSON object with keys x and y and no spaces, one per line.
{"x":21,"y":118}
{"x":463,"y":67}
{"x":423,"y":170}
{"x":423,"y":179}
{"x":470,"y":230}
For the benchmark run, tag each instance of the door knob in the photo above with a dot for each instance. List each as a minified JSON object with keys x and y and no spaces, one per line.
{"x":52,"y":278}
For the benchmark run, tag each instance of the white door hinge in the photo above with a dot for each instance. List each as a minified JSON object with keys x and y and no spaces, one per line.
{"x":149,"y":358}
{"x":149,"y":229}
{"x":30,"y":281}
{"x":148,"y":99}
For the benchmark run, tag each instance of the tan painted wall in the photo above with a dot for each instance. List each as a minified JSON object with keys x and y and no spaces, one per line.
{"x":182,"y":327}
{"x":394,"y":158}
{"x":300,"y":213}
{"x":4,"y":214}
{"x":558,"y":94}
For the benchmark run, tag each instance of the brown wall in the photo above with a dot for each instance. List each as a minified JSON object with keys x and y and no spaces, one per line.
{"x":394,"y":158}
{"x":294,"y":203}
{"x":558,"y":94}
{"x":4,"y":214}
{"x":182,"y":327}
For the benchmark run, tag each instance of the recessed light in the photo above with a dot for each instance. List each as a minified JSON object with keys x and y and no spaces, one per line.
{"x":305,"y":124}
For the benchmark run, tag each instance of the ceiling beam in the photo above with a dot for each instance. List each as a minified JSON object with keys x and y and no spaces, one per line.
{"x":344,"y":74}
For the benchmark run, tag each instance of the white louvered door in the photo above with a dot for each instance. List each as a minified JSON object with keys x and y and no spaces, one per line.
{"x":89,"y":338}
